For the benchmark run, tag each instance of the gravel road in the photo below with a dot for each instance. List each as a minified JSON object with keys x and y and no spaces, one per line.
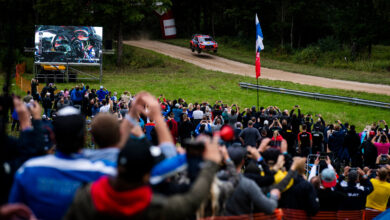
{"x":211,"y":62}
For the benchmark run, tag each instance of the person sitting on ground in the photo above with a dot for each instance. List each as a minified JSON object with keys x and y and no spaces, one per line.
{"x":128,"y":195}
{"x":57,"y":177}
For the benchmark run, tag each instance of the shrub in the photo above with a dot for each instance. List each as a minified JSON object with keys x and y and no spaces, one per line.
{"x":310,"y":54}
{"x":328,"y":44}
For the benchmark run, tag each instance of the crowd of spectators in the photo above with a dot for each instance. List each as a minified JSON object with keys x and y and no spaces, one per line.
{"x":154,"y":158}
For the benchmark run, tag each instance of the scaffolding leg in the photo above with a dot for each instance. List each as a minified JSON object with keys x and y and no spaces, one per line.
{"x":101,"y":68}
{"x":67,"y":72}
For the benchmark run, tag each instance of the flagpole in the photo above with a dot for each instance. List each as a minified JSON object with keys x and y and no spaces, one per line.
{"x":257,"y":87}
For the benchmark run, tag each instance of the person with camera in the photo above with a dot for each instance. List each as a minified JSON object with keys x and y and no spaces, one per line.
{"x":248,"y":197}
{"x":129,"y":195}
{"x":47,"y":184}
{"x":204,"y":126}
{"x":217,"y":123}
{"x":101,"y":93}
{"x":355,"y":188}
{"x":381,"y":142}
{"x":296,"y":120}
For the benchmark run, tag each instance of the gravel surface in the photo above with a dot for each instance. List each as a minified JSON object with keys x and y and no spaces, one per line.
{"x":211,"y":62}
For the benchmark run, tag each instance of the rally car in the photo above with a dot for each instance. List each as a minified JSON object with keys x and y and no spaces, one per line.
{"x":201,"y":42}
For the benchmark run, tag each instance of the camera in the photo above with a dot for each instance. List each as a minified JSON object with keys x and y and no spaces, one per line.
{"x":384,"y":159}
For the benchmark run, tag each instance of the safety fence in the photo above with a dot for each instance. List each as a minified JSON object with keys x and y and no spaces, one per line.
{"x":294,"y":214}
{"x":316,"y":95}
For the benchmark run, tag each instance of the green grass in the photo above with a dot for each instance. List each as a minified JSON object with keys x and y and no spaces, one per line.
{"x":160,"y":74}
{"x":330,"y":65}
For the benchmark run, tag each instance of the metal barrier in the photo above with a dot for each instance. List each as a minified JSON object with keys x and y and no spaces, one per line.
{"x":317,"y":95}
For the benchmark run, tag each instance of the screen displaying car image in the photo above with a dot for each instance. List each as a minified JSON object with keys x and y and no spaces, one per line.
{"x":68,"y":44}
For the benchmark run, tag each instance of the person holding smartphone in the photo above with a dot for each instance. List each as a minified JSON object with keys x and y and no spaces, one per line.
{"x":381,"y":142}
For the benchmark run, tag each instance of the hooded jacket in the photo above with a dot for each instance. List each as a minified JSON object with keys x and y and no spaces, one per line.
{"x":100,"y":201}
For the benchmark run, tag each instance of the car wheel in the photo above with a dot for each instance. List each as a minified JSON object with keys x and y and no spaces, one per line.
{"x":192,"y":48}
{"x":199,"y":50}
{"x":215,"y":51}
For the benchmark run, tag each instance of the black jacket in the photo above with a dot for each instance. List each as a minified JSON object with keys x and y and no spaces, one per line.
{"x":330,"y":199}
{"x":355,"y":195}
{"x":302,"y":196}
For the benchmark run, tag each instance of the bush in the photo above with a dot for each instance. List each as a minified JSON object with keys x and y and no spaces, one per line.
{"x":310,"y":54}
{"x":328,"y":44}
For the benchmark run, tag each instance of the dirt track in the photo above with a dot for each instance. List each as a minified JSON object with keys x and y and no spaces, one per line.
{"x":216,"y":63}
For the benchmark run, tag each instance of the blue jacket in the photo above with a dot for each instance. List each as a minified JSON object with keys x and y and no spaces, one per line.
{"x":77,"y":96}
{"x":47,"y":184}
{"x":177,"y":112}
{"x":101,"y":94}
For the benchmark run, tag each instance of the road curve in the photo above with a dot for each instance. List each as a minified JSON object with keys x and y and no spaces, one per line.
{"x":211,"y":62}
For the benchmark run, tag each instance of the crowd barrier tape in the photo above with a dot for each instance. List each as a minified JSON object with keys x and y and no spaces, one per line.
{"x":317,"y":95}
{"x":294,"y":214}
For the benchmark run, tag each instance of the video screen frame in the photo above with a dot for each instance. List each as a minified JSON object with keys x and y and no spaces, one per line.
{"x":72,"y":45}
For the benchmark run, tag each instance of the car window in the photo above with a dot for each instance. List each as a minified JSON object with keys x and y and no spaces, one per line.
{"x":205,"y":39}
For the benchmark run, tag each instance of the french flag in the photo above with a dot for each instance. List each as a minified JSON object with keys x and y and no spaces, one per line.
{"x":259,"y":46}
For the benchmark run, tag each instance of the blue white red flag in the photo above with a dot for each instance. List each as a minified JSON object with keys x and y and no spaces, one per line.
{"x":259,"y":46}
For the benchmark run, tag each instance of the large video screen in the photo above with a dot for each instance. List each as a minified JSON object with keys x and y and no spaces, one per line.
{"x":68,"y":44}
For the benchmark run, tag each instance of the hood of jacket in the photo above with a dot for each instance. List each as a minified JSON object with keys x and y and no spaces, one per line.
{"x":125,"y":203}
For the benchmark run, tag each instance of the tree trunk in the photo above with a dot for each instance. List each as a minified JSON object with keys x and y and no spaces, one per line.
{"x":212,"y":24}
{"x":292,"y":32}
{"x":119,"y":45}
{"x":282,"y":26}
{"x":369,"y":49}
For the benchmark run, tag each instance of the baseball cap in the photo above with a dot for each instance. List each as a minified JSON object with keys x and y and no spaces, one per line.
{"x":328,"y":178}
{"x":236,"y":154}
{"x":101,"y":87}
{"x":69,"y":129}
{"x":266,"y":122}
{"x":137,"y":158}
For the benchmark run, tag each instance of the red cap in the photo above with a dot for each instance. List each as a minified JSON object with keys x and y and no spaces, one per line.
{"x":227,"y":133}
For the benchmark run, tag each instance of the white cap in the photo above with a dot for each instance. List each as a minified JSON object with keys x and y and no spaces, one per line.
{"x":266,"y":122}
{"x":68,"y":110}
{"x":101,"y":87}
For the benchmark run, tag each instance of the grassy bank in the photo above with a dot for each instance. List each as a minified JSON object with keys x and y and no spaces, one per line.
{"x":159,"y":74}
{"x":329,"y":65}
